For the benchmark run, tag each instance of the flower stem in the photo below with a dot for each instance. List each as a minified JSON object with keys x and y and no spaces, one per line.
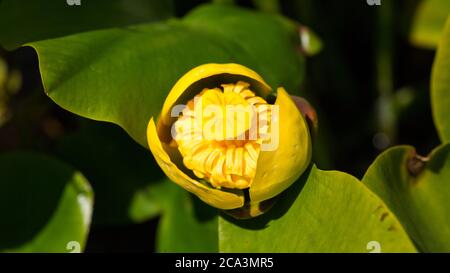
{"x":386,"y":114}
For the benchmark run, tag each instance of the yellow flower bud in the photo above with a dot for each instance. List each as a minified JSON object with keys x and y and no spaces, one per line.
{"x":218,"y":137}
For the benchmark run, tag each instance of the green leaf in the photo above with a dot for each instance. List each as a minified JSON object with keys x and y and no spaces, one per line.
{"x":440,"y":86}
{"x":124,"y":75}
{"x":45,"y":204}
{"x":428,"y":23}
{"x":187,"y":224}
{"x":24,"y":21}
{"x":325,"y":211}
{"x":125,"y":178}
{"x":268,"y":43}
{"x":417,"y":192}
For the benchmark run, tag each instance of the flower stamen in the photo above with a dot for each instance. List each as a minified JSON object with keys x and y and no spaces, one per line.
{"x":220,"y":133}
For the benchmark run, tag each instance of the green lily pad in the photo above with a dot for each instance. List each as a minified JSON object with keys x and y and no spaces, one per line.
{"x":428,"y":23}
{"x":125,"y":178}
{"x":269,"y":44}
{"x":46,"y":205}
{"x":124,"y":75}
{"x":23,"y":21}
{"x":440,"y":86}
{"x":325,"y":211}
{"x":417,"y":190}
{"x":187,"y":224}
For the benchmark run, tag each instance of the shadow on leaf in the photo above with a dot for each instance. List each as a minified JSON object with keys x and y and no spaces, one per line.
{"x":281,"y":206}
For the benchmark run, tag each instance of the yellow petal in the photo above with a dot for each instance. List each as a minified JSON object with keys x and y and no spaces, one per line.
{"x":187,"y":86}
{"x":278,"y":169}
{"x":216,"y":198}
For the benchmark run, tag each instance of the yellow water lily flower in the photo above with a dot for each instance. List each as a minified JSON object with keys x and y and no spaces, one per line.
{"x":219,"y":137}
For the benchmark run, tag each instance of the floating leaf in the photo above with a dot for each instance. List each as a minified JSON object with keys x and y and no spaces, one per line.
{"x":440,"y":86}
{"x":429,"y":22}
{"x":123,"y":75}
{"x":24,"y":21}
{"x":417,"y":190}
{"x":325,"y":211}
{"x":46,"y":205}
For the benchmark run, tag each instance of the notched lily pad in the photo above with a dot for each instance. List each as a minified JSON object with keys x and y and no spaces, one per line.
{"x":417,"y":190}
{"x":123,"y":75}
